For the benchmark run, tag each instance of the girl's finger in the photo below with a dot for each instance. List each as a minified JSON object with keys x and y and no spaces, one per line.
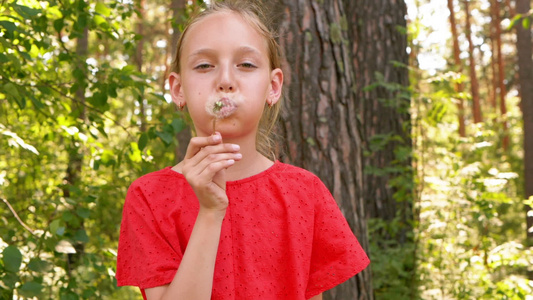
{"x":210,"y":151}
{"x":215,"y":158}
{"x":197,"y":143}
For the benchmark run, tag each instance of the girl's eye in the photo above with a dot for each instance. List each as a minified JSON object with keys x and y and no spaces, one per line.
{"x":202,"y":67}
{"x":247,"y":65}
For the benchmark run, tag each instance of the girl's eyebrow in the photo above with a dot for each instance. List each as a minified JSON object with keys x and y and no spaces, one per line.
{"x":210,"y":52}
{"x":248,"y":50}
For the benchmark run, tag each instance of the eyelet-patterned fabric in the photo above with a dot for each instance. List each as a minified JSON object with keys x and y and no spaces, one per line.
{"x":283,"y":236}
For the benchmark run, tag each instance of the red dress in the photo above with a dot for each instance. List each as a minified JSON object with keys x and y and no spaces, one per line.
{"x":283,"y":235}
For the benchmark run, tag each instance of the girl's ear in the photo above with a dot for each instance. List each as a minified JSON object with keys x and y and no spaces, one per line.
{"x":276,"y":85}
{"x":176,"y":91}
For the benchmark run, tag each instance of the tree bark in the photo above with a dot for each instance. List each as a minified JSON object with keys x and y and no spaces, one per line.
{"x":377,"y":42}
{"x":459,"y":67}
{"x":378,"y":38}
{"x":320,"y":124}
{"x":184,"y":136}
{"x":474,"y":84}
{"x":495,"y":6}
{"x":75,"y":155}
{"x":525,"y":69}
{"x":493,"y":68}
{"x":139,"y":59}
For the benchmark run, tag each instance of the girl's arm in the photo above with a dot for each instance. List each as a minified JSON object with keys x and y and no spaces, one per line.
{"x":194,"y":278}
{"x":317,"y":297}
{"x":203,"y":167}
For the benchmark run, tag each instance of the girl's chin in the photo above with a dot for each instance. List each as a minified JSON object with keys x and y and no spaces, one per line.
{"x":232,"y":130}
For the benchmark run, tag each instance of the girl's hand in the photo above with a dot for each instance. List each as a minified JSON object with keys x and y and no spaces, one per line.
{"x":204,"y":168}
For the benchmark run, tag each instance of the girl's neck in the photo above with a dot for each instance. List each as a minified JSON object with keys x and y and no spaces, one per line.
{"x":252,"y":161}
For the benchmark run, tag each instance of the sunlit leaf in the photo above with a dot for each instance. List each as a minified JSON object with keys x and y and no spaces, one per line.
{"x":65,"y":246}
{"x":102,"y":9}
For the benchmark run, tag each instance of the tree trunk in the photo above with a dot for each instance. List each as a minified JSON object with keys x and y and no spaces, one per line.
{"x":183,"y":137}
{"x":459,"y":67}
{"x":75,"y":155}
{"x":501,"y":71}
{"x":493,"y":62}
{"x":510,"y":8}
{"x":139,"y":60}
{"x":320,"y":122}
{"x":378,"y":39}
{"x":377,"y":44}
{"x":525,"y":69}
{"x":474,"y":85}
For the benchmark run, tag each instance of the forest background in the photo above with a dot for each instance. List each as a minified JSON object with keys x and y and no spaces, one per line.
{"x":418,"y":116}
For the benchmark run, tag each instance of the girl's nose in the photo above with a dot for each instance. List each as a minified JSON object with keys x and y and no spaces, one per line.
{"x":226,"y":81}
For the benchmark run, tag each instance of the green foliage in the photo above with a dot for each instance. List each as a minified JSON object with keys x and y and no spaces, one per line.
{"x":392,"y":245}
{"x":71,"y":143}
{"x":471,"y":224}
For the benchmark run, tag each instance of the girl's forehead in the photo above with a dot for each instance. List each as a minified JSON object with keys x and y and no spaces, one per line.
{"x":222,"y":28}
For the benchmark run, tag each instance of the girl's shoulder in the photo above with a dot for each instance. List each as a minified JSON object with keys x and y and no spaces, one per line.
{"x":295,"y":172}
{"x":161,"y":182}
{"x":160,"y":176}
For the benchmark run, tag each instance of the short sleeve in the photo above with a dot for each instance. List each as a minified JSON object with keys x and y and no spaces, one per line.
{"x":145,"y":257}
{"x":336,"y":253}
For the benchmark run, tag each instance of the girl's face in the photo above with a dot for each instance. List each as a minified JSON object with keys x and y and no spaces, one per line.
{"x":224,"y":61}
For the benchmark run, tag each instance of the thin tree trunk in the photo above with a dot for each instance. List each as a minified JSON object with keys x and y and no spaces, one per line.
{"x":73,"y":172}
{"x":139,"y":60}
{"x":474,"y":85}
{"x":494,"y":71}
{"x":525,"y":69}
{"x":320,"y":121}
{"x":501,"y":72}
{"x":183,"y":137}
{"x":510,"y":8}
{"x":459,"y":67}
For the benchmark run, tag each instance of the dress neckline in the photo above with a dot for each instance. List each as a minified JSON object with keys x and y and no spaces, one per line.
{"x":276,"y":165}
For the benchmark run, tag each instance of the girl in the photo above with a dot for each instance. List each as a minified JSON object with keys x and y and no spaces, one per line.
{"x":227,"y":222}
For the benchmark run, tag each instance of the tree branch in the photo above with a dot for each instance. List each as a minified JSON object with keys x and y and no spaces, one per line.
{"x":17,"y":216}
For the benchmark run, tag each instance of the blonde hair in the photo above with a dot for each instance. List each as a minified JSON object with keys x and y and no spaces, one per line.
{"x":252,"y":13}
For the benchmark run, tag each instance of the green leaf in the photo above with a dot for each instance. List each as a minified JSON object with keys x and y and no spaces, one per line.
{"x":30,"y":289}
{"x":58,"y":25}
{"x":11,"y":89}
{"x":166,"y":137}
{"x":10,"y":280}
{"x":99,"y":20}
{"x":12,"y":258}
{"x":515,"y":20}
{"x":526,"y":22}
{"x":99,"y":99}
{"x":25,"y":11}
{"x":102,"y":9}
{"x":143,"y":140}
{"x":78,"y":74}
{"x":66,"y":295}
{"x":108,"y":158}
{"x":83,"y":212}
{"x":9,"y":26}
{"x":81,"y":236}
{"x":56,"y":227}
{"x":178,"y":125}
{"x":38,"y":265}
